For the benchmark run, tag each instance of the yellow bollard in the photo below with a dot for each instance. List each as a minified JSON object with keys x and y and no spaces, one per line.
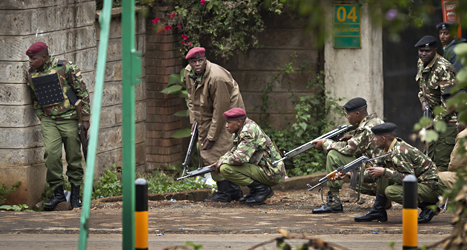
{"x":141,"y":214}
{"x":410,"y":213}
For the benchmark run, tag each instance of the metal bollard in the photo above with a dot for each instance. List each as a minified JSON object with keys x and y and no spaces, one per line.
{"x":410,"y":213}
{"x":141,"y":214}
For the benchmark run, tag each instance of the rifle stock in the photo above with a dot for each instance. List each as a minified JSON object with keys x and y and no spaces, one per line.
{"x":199,"y":171}
{"x":334,"y":135}
{"x":354,"y":165}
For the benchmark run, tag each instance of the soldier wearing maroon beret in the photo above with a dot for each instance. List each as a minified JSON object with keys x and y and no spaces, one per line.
{"x":212,"y":91}
{"x":249,"y":162}
{"x":56,"y":86}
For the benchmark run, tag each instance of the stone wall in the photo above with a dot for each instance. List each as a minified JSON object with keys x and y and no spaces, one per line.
{"x":109,"y":147}
{"x":70,"y":36}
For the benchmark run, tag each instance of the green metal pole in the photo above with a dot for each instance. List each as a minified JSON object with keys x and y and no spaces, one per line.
{"x":104,"y":21}
{"x":131,"y":71}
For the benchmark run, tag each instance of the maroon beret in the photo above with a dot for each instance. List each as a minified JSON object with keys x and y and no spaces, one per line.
{"x":36,"y":48}
{"x":196,"y":52}
{"x":234,"y":114}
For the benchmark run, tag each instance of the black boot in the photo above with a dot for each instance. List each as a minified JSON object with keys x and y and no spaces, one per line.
{"x":74,"y":197}
{"x":427,"y":213}
{"x":59,"y":197}
{"x":377,"y":212}
{"x":235,"y":191}
{"x":332,"y":206}
{"x":261,"y":192}
{"x":251,"y":193}
{"x":222,"y":194}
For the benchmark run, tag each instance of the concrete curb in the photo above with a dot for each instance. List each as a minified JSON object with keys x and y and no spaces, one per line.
{"x":292,"y":183}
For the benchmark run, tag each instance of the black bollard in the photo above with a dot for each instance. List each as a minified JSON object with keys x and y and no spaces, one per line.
{"x":410,"y":213}
{"x":141,"y":214}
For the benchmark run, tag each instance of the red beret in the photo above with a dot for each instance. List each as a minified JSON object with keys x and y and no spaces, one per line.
{"x":196,"y":52}
{"x":234,"y":114}
{"x":36,"y":48}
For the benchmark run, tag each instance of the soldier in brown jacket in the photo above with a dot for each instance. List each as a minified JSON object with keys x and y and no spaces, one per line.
{"x":212,"y":91}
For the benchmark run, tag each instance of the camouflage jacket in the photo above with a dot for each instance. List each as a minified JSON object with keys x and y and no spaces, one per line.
{"x":252,"y":145}
{"x":438,"y":76}
{"x":70,"y":77}
{"x":406,"y":160}
{"x":361,"y":142}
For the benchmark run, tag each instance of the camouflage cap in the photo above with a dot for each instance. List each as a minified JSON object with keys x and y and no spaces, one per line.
{"x":36,"y":48}
{"x":426,"y":41}
{"x":234,"y":114}
{"x":355,"y":104}
{"x":384,"y":129}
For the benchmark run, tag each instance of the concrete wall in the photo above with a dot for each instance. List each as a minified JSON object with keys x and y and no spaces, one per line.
{"x":354,"y":73}
{"x":70,"y":36}
{"x":109,"y":148}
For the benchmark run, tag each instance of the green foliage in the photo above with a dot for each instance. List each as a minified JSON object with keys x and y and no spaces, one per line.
{"x":231,"y":26}
{"x":392,"y":244}
{"x":311,"y":119}
{"x":20,"y":207}
{"x":4,"y":192}
{"x":195,"y":246}
{"x":108,"y":185}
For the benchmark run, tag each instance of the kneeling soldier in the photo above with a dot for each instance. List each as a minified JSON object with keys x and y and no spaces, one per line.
{"x":403,"y":161}
{"x":249,"y":162}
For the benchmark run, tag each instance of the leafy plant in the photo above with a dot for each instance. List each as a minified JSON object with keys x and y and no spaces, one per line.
{"x":311,"y":119}
{"x":4,"y":192}
{"x":20,"y":207}
{"x":108,"y":185}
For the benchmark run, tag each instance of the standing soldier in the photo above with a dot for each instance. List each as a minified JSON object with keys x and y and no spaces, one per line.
{"x":347,"y":149}
{"x":53,"y":84}
{"x":403,"y":160}
{"x":436,"y":75}
{"x":449,"y":39}
{"x":249,"y":162}
{"x":212,"y":91}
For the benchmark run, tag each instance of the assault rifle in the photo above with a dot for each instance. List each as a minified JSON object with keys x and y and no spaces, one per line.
{"x":354,"y":165}
{"x":193,"y":140}
{"x":333,"y":135}
{"x":427,"y":113}
{"x":82,"y":132}
{"x":199,"y":171}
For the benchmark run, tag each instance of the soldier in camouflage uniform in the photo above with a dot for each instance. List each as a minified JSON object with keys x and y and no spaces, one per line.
{"x":448,"y":37}
{"x":436,"y":75}
{"x":249,"y":162}
{"x":404,"y":160}
{"x":347,"y":149}
{"x":53,"y":84}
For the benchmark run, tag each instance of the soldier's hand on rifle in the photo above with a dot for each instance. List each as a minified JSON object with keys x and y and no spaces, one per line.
{"x":86,"y":125}
{"x":376,"y":171}
{"x":207,"y":144}
{"x":319,"y":144}
{"x":345,"y":138}
{"x":340,"y":176}
{"x":423,"y":106}
{"x":214,"y":165}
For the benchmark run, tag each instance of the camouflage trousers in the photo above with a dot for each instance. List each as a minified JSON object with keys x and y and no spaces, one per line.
{"x":440,"y":150}
{"x":245,"y":174}
{"x":425,"y":193}
{"x":334,"y":159}
{"x":55,"y":133}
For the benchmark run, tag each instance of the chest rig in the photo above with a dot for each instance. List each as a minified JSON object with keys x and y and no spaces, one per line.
{"x":48,"y":88}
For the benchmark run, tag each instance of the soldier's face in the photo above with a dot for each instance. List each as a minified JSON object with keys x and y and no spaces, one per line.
{"x":352,"y":117}
{"x":445,"y":37}
{"x":37,"y":61}
{"x":233,"y":126}
{"x":198,"y":65}
{"x":426,"y":54}
{"x":380,"y":141}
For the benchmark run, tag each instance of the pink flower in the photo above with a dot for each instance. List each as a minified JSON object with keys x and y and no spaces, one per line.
{"x":184,"y":37}
{"x":179,"y":27}
{"x":203,"y":2}
{"x":189,"y":44}
{"x":183,"y":42}
{"x":172,"y":15}
{"x":168,"y":27}
{"x":157,"y":20}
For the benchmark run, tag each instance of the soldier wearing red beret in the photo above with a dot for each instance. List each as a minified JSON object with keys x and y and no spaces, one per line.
{"x":212,"y":91}
{"x":249,"y":162}
{"x":56,"y":85}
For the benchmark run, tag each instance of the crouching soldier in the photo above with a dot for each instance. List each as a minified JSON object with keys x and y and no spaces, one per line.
{"x":403,"y":161}
{"x":249,"y":162}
